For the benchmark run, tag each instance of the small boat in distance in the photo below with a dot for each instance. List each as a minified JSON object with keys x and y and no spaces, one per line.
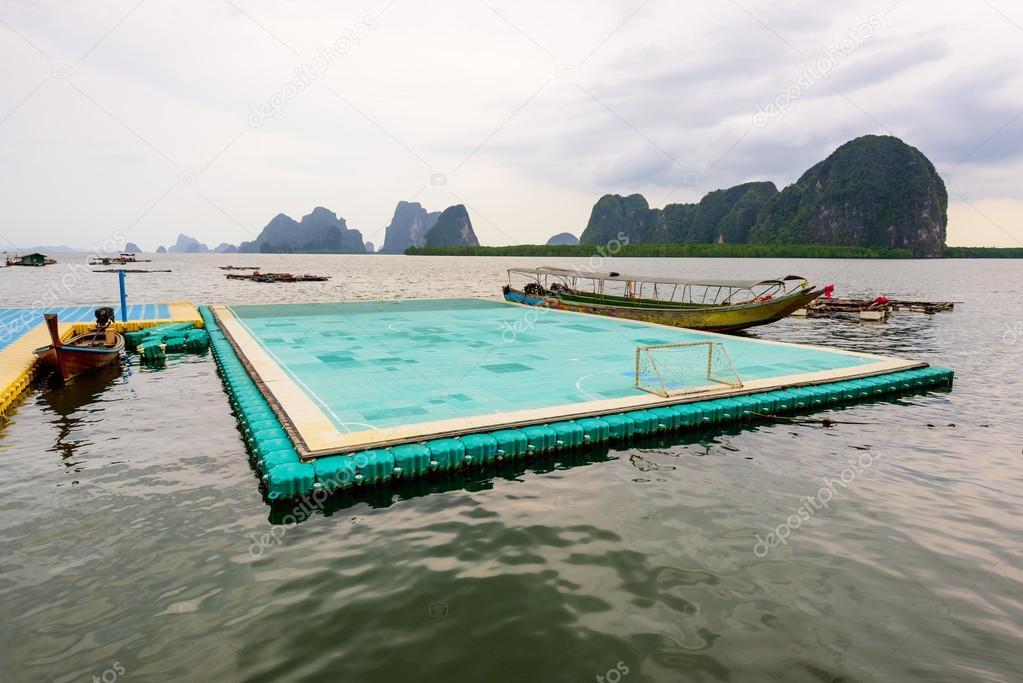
{"x":84,"y":352}
{"x":238,"y":267}
{"x":699,"y":304}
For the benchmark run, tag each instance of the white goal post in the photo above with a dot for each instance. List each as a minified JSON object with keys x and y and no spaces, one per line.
{"x":684,"y":368}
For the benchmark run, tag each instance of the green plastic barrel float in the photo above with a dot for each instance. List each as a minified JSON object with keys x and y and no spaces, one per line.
{"x":446,"y":454}
{"x":567,"y":434}
{"x":412,"y":459}
{"x":511,"y":443}
{"x":643,"y":421}
{"x":480,"y":449}
{"x":540,"y":438}
{"x":595,"y":429}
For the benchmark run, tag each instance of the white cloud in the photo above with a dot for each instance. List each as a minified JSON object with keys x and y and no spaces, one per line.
{"x":652,"y":93}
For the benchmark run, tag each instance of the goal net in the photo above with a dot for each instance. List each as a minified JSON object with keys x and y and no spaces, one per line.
{"x":684,"y":368}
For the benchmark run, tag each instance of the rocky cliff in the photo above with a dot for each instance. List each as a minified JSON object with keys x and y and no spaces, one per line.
{"x":614,"y":214}
{"x":874,"y":191}
{"x":320,"y":231}
{"x":721,"y":216}
{"x":563,"y":239}
{"x":187,"y":245}
{"x":408,"y":227}
{"x":452,"y":229}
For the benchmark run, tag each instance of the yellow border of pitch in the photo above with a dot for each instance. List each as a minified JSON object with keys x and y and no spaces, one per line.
{"x":315,"y":435}
{"x":18,"y":365}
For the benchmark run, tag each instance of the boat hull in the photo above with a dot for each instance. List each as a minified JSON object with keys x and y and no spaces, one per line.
{"x":714,"y":319}
{"x":75,"y":358}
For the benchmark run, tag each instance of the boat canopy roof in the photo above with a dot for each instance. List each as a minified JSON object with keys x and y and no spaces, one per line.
{"x":654,"y":279}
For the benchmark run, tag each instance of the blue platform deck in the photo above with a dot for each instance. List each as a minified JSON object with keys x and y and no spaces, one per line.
{"x":15,"y":322}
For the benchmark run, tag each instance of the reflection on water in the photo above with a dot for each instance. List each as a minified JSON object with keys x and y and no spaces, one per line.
{"x":134,"y":535}
{"x":476,"y":479}
{"x":696,"y":443}
{"x":69,"y":405}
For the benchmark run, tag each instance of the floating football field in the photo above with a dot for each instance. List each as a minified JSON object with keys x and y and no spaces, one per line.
{"x":344,"y":377}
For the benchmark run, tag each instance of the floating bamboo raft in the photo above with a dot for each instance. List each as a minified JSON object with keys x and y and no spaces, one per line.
{"x":277,"y":277}
{"x":874,"y":309}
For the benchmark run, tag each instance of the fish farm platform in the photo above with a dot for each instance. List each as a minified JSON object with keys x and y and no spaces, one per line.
{"x":333,"y":394}
{"x":22,"y":330}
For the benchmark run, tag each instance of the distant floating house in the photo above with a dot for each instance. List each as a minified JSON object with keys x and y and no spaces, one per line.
{"x":29,"y":260}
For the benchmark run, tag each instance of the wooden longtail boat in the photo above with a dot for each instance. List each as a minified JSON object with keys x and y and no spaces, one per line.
{"x":702,"y":304}
{"x":96,"y":349}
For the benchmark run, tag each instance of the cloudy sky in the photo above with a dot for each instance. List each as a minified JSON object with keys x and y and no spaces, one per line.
{"x":153,"y":118}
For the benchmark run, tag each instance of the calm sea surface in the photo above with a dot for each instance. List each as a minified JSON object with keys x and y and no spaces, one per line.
{"x":135,"y":546}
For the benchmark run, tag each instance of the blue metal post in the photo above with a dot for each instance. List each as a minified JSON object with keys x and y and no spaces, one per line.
{"x":124,"y":296}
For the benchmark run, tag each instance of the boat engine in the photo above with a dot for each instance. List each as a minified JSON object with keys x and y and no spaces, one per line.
{"x":533,"y":289}
{"x":104,"y":316}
